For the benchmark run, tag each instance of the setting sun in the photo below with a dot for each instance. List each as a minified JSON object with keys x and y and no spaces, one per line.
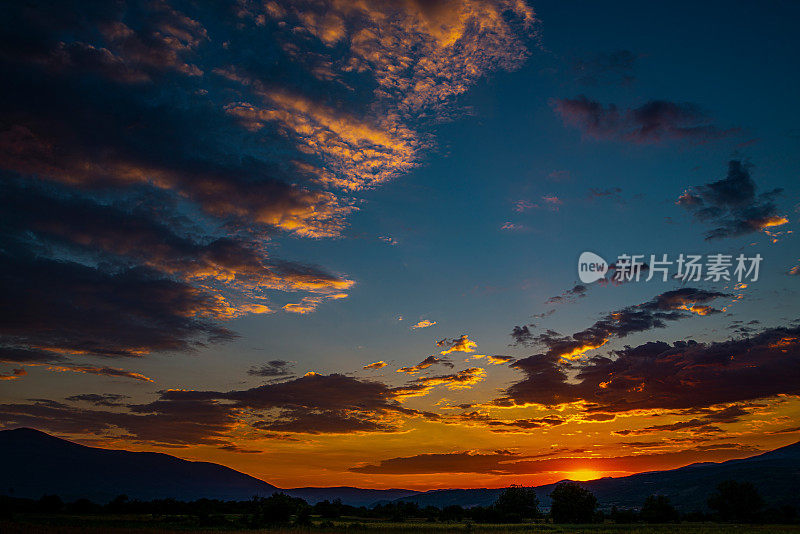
{"x":583,"y":475}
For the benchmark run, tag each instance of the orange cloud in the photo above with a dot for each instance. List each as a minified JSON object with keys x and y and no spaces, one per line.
{"x":425,"y":323}
{"x":460,"y":380}
{"x":376,"y":365}
{"x":577,"y":352}
{"x":104,"y":371}
{"x":310,"y":303}
{"x":356,"y":153}
{"x":495,"y":360}
{"x":14,"y":374}
{"x":461,"y":344}
{"x":424,"y":364}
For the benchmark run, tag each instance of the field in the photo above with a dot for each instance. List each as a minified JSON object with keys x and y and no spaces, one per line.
{"x":63,"y":524}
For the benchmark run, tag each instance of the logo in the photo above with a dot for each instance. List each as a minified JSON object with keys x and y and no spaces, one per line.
{"x":591,"y":267}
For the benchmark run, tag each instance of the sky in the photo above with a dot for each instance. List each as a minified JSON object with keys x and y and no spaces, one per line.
{"x":336,"y":242}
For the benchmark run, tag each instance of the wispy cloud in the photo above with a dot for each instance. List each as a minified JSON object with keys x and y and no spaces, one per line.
{"x":732,"y":205}
{"x":654,"y":122}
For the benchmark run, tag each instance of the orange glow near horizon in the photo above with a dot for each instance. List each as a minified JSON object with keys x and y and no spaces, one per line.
{"x":583,"y":475}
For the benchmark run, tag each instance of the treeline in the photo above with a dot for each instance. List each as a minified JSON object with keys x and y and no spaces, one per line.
{"x":736,"y":502}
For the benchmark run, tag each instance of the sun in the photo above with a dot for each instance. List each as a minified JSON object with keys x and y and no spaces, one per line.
{"x":583,"y":474}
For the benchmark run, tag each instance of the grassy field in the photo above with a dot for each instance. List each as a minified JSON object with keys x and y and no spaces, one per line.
{"x":41,"y":524}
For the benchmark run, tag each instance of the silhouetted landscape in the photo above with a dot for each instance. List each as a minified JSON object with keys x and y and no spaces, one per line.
{"x":399,"y":266}
{"x":55,"y":483}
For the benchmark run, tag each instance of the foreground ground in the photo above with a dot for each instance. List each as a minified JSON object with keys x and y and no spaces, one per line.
{"x":43,"y":524}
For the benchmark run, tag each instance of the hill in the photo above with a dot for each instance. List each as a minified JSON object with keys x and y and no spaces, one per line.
{"x":774,"y":473}
{"x":36,"y":464}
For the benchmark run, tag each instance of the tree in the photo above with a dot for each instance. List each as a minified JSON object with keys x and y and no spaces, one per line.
{"x":119,"y":504}
{"x":303,"y":518}
{"x":572,"y":503}
{"x":623,"y":516}
{"x":736,"y":501}
{"x":329,"y":510}
{"x":51,"y":504}
{"x":453,"y":512}
{"x":518,"y":502}
{"x":657,"y":509}
{"x":277,"y":509}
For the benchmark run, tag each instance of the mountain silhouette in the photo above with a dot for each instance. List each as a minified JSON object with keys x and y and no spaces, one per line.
{"x":36,"y":464}
{"x":774,"y":473}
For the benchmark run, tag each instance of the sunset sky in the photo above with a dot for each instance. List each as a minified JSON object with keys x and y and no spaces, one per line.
{"x":335,"y":242}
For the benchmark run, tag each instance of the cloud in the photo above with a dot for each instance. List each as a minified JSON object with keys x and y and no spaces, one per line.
{"x":102,"y":371}
{"x":425,"y":323}
{"x":177,"y":424}
{"x":424,"y":364}
{"x":456,"y":462}
{"x":235,"y":271}
{"x":731,"y":204}
{"x":518,"y":426}
{"x":460,"y":344}
{"x":707,"y":424}
{"x":310,"y":303}
{"x":461,"y":380}
{"x":513,"y":227}
{"x":310,"y":404}
{"x":504,"y":462}
{"x":272,"y":369}
{"x":14,"y":374}
{"x":654,"y":122}
{"x":231,"y":447}
{"x":99,"y":399}
{"x":522,"y":335}
{"x":658,"y":375}
{"x":376,"y":365}
{"x":74,"y":309}
{"x":147,"y":154}
{"x":669,"y":306}
{"x":568,"y":295}
{"x":496,"y":359}
{"x":550,"y":202}
{"x":443,"y":49}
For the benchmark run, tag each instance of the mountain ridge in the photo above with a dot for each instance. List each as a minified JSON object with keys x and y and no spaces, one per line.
{"x":38,"y":463}
{"x":774,"y":473}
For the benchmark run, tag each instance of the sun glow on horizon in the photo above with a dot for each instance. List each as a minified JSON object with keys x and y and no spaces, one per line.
{"x":582,"y":475}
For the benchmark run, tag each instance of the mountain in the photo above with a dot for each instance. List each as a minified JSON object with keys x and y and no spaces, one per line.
{"x":774,"y":473}
{"x":36,"y":464}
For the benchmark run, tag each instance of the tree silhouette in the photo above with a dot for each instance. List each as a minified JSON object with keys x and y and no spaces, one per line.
{"x":517,"y":503}
{"x":453,"y":512}
{"x":572,"y":503}
{"x":277,"y":509}
{"x":736,"y":501}
{"x":51,"y":504}
{"x":657,"y":509}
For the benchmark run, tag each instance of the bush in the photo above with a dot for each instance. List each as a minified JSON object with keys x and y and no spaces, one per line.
{"x":571,"y":503}
{"x":657,"y":509}
{"x":517,"y":503}
{"x":624,"y":516}
{"x":736,"y":501}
